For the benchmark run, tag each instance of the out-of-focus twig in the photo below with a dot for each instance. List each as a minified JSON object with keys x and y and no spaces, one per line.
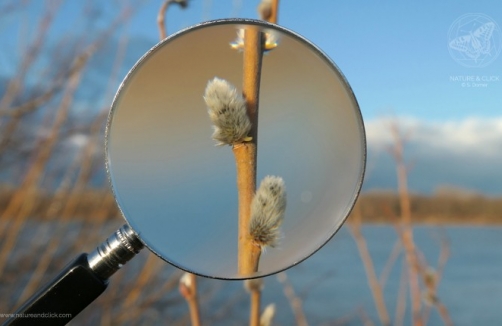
{"x":431,"y":279}
{"x":401,"y":297}
{"x":67,"y":197}
{"x":14,"y":86}
{"x":384,"y":275}
{"x":294,"y":301}
{"x":149,"y":269}
{"x":374,"y":284}
{"x":406,"y":230}
{"x":188,"y":289}
{"x":161,"y":16}
{"x":18,"y":208}
{"x":268,"y":10}
{"x":254,"y":288}
{"x":364,"y":317}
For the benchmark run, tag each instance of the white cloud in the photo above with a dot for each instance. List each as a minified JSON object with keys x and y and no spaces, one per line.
{"x":465,"y":153}
{"x":474,"y":135}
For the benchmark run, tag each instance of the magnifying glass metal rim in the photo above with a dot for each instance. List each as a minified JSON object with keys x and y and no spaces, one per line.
{"x":234,"y":21}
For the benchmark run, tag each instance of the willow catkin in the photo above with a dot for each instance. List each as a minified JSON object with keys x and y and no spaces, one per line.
{"x":227,"y":111}
{"x":267,"y":212}
{"x":270,"y":43}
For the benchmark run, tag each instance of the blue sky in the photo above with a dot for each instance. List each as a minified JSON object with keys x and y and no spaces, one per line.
{"x":395,"y":55}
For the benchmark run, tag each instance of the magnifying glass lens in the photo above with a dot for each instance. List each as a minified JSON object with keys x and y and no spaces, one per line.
{"x":178,"y":190}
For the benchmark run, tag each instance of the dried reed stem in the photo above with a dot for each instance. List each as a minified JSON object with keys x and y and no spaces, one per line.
{"x":19,"y":208}
{"x":443,"y":313}
{"x":29,"y":56}
{"x":137,"y":289}
{"x":387,"y":269}
{"x":401,"y":297}
{"x":66,"y":199}
{"x":246,"y":153}
{"x":407,"y":230}
{"x":294,"y":300}
{"x":187,"y":287}
{"x":431,"y":282}
{"x":374,"y":284}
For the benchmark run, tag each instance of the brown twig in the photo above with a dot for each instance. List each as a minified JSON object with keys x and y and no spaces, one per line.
{"x":374,"y":284}
{"x":254,"y":287}
{"x":406,"y":232}
{"x":149,"y":269}
{"x":18,"y":208}
{"x":255,"y":308}
{"x":14,"y":86}
{"x":384,"y":275}
{"x":188,"y":289}
{"x":267,"y":10}
{"x":246,"y":153}
{"x":431,"y":281}
{"x":274,"y":11}
{"x":188,"y":282}
{"x":294,"y":301}
{"x":401,"y":297}
{"x":161,"y":16}
{"x":364,"y":317}
{"x":66,"y":198}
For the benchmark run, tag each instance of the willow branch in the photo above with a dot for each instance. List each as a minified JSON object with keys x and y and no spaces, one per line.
{"x":246,"y":153}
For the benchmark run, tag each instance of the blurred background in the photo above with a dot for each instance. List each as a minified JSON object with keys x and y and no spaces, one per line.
{"x":423,"y":244}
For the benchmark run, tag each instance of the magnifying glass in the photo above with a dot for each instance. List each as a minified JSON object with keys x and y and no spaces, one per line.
{"x":181,"y":195}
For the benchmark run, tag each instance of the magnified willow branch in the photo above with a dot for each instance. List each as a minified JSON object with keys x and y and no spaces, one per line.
{"x":235,"y":123}
{"x":227,"y":111}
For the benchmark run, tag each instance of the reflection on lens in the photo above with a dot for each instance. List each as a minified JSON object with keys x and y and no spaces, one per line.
{"x":186,"y":197}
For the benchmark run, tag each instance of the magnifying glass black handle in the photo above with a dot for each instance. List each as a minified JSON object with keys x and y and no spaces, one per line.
{"x":79,"y":283}
{"x":76,"y":286}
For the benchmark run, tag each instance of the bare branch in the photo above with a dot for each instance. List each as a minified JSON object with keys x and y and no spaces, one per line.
{"x":14,"y":86}
{"x":294,"y":301}
{"x":161,"y":16}
{"x":374,"y":284}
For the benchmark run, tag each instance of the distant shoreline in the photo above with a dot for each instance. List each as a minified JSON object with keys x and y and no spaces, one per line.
{"x":376,"y":207}
{"x":440,"y":209}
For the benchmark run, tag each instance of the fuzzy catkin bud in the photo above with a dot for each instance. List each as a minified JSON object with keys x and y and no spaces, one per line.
{"x":268,"y":315}
{"x":271,"y":40}
{"x":186,"y":286}
{"x":227,"y":111}
{"x":267,"y":212}
{"x":265,"y":9}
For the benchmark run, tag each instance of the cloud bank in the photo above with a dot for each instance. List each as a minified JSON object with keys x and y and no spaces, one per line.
{"x":465,"y":154}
